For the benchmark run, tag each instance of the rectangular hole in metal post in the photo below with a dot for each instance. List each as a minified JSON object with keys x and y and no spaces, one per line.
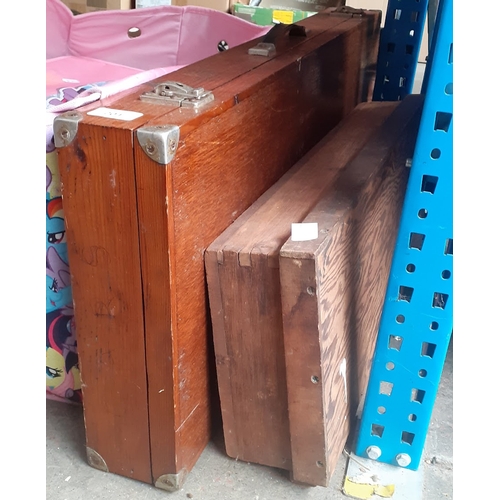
{"x":429,"y":183}
{"x":416,"y":241}
{"x":391,"y":47}
{"x":407,"y":437}
{"x":409,"y":50}
{"x":402,"y":81}
{"x":443,"y":121}
{"x":439,"y":300}
{"x":395,"y":342}
{"x":377,"y":430}
{"x":428,"y":349}
{"x":405,"y":293}
{"x":450,"y":54}
{"x":417,"y":395}
{"x":414,"y":16}
{"x":397,"y":14}
{"x":448,"y":247}
{"x":386,"y":388}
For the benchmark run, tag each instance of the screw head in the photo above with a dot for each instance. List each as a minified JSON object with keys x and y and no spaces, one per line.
{"x":373,"y":452}
{"x":403,"y":459}
{"x":222,"y":46}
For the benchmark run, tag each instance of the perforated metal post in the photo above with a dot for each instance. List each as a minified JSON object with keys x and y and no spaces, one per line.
{"x":417,"y":318}
{"x":400,"y":41}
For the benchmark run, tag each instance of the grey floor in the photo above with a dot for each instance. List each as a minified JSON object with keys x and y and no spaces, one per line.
{"x":218,"y":477}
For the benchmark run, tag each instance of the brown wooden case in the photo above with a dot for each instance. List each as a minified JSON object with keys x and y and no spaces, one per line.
{"x":143,"y":198}
{"x":245,"y":296}
{"x":333,"y":291}
{"x":369,"y":55}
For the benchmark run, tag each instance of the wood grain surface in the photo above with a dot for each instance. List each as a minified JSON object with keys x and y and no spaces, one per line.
{"x":332,"y":293}
{"x":98,"y":189}
{"x":373,"y":19}
{"x":245,"y":297}
{"x":137,"y":232}
{"x":213,"y":180}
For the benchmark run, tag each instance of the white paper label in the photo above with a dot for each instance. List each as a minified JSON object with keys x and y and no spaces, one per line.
{"x":304,"y":231}
{"x":116,"y":114}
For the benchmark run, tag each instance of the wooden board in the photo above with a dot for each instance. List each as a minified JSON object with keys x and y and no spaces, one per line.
{"x":137,"y":230}
{"x":333,"y":290}
{"x":244,"y":291}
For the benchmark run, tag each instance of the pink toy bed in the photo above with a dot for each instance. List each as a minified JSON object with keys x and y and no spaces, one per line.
{"x":89,"y":57}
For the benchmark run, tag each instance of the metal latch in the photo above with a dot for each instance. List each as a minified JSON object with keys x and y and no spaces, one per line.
{"x":263,"y":49}
{"x":178,"y":94}
{"x":267,"y":47}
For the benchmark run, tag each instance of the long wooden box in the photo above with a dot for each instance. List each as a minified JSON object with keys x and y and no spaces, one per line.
{"x":245,"y":298}
{"x":333,"y":290}
{"x":369,"y":55}
{"x":145,"y":194}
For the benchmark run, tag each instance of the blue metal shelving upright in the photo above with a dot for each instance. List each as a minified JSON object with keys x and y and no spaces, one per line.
{"x":417,"y":319}
{"x":400,"y":41}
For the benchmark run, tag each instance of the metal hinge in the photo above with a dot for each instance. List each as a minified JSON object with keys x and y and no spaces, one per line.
{"x":178,"y":94}
{"x":346,"y":9}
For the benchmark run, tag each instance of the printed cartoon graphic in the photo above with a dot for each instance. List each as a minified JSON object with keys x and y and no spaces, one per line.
{"x":56,"y":233}
{"x":52,"y":176}
{"x":58,"y":281}
{"x":62,"y":374}
{"x":65,"y":94}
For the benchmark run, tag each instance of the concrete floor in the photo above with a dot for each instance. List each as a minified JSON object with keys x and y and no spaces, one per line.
{"x":218,"y":477}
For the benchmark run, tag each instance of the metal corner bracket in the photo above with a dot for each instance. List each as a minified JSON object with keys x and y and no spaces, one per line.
{"x":95,"y":460}
{"x":65,"y":128}
{"x":171,"y":482}
{"x":159,"y":142}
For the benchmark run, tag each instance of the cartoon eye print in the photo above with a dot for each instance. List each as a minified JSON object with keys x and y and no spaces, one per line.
{"x":53,"y":372}
{"x":55,"y":238}
{"x":54,"y":287}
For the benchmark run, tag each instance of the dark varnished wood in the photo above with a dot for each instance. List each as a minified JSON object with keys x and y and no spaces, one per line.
{"x":153,"y":223}
{"x":370,"y":49}
{"x":244,"y":290}
{"x":332,"y":293}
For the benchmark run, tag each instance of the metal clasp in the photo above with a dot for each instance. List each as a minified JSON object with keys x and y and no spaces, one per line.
{"x":267,"y":47}
{"x":178,"y":94}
